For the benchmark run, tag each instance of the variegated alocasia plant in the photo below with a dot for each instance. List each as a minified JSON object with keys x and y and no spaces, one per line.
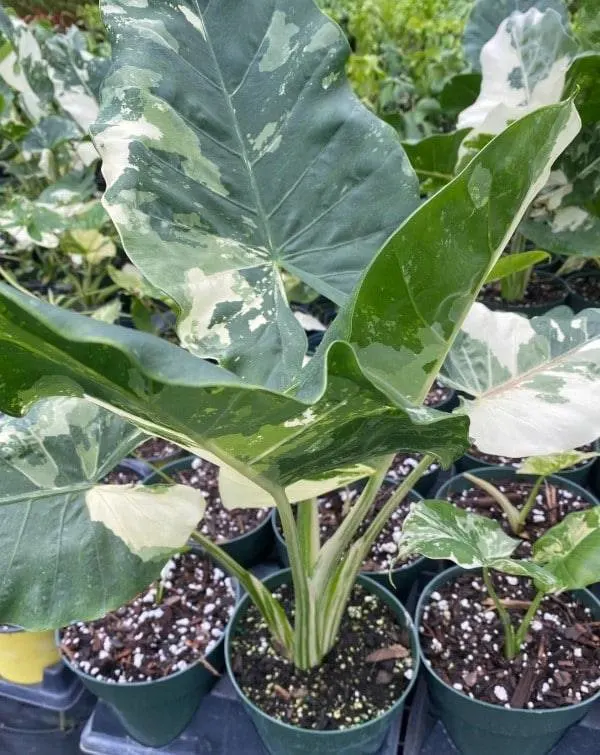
{"x":566,"y":557}
{"x":234,"y":151}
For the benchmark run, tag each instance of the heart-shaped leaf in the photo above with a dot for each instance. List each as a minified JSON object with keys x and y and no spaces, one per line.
{"x":213,"y":196}
{"x":535,"y":383}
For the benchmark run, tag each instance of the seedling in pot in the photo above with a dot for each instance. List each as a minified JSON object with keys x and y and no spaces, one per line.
{"x":541,"y":467}
{"x":566,"y":557}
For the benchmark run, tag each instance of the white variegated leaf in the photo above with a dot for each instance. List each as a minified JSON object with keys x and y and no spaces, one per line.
{"x":523,"y":68}
{"x":227,"y":164}
{"x":571,"y":549}
{"x":440,"y":530}
{"x":554,"y":463}
{"x":151,"y":521}
{"x":535,"y":383}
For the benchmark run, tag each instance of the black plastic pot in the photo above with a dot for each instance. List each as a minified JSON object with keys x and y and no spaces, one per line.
{"x":576,"y":301}
{"x":459,"y":482}
{"x":449,"y":404}
{"x":246,"y":549}
{"x":400,"y":581}
{"x":45,"y":718}
{"x":532,"y":310}
{"x":282,"y":739}
{"x":154,"y":713}
{"x":580,"y":474}
{"x":479,"y":728}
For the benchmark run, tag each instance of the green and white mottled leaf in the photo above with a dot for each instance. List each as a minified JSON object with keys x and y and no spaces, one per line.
{"x":523,"y":68}
{"x":434,"y":158}
{"x":440,"y":530}
{"x":422,"y":284}
{"x":554,"y":463}
{"x":151,"y":521}
{"x":571,"y":550}
{"x":515,"y":263}
{"x":535,"y":383}
{"x":49,"y":133}
{"x":90,"y":244}
{"x":487,"y":15}
{"x":214,"y":196}
{"x":58,"y":563}
{"x":131,"y":280}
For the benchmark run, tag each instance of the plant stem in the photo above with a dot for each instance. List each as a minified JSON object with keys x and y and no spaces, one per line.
{"x":513,"y":286}
{"x":527,"y":619}
{"x":509,"y":633}
{"x":308,"y":533}
{"x":529,"y":504}
{"x":269,"y":607}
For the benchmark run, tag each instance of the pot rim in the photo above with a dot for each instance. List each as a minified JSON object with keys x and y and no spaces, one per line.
{"x":181,"y":463}
{"x":415,"y":652}
{"x":445,"y":576}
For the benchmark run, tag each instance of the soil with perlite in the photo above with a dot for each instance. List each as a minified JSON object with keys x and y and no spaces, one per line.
{"x":175,"y":624}
{"x":360,"y":678}
{"x":540,"y":291}
{"x":462,"y":639}
{"x":516,"y":461}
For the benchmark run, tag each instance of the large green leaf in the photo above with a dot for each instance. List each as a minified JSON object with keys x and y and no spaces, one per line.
{"x":230,"y":156}
{"x":523,"y":67}
{"x":487,"y":15}
{"x":535,"y":383}
{"x":582,"y":84}
{"x":410,"y":304}
{"x":56,"y":564}
{"x":571,"y":549}
{"x":434,"y":158}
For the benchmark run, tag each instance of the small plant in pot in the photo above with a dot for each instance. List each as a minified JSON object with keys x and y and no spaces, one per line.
{"x":510,"y":646}
{"x":213,"y":197}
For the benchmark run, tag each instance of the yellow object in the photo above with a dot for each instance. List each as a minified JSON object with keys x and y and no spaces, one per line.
{"x":25,"y":655}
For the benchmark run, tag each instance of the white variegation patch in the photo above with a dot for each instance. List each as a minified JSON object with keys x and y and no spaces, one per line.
{"x":535,"y":383}
{"x":147,"y":519}
{"x":554,"y":463}
{"x":523,"y":68}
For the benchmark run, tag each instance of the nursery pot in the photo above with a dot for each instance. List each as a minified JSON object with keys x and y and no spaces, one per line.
{"x":399,"y":580}
{"x":579,"y":474}
{"x":532,"y":310}
{"x":477,"y":727}
{"x":576,"y":301}
{"x":246,"y":549}
{"x":24,"y":656}
{"x":283,"y":739}
{"x":459,"y":482}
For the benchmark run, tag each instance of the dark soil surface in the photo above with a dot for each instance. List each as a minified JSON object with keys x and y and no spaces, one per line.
{"x":462,"y":637}
{"x":352,"y":685}
{"x":219,"y":524}
{"x":404,"y":464}
{"x":150,"y":638}
{"x":552,"y":505}
{"x":541,"y":290}
{"x":586,"y":287}
{"x":437,"y":395}
{"x":157,"y":448}
{"x":515,"y":461}
{"x":121,"y":476}
{"x":335,"y":506}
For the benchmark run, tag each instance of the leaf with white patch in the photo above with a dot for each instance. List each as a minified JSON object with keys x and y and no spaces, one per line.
{"x":151,"y":521}
{"x":571,"y":550}
{"x":213,"y":196}
{"x":554,"y":463}
{"x":58,"y":563}
{"x":535,"y":383}
{"x":131,"y":280}
{"x":523,"y":68}
{"x":440,"y":530}
{"x":90,"y":244}
{"x":50,"y":132}
{"x":487,"y":15}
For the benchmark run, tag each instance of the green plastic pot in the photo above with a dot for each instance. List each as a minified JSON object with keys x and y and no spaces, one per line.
{"x":478,"y":728}
{"x":246,"y":549}
{"x":580,"y":474}
{"x":576,"y":301}
{"x":531,"y":310}
{"x":458,"y":483}
{"x":282,"y":739}
{"x":399,"y":581}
